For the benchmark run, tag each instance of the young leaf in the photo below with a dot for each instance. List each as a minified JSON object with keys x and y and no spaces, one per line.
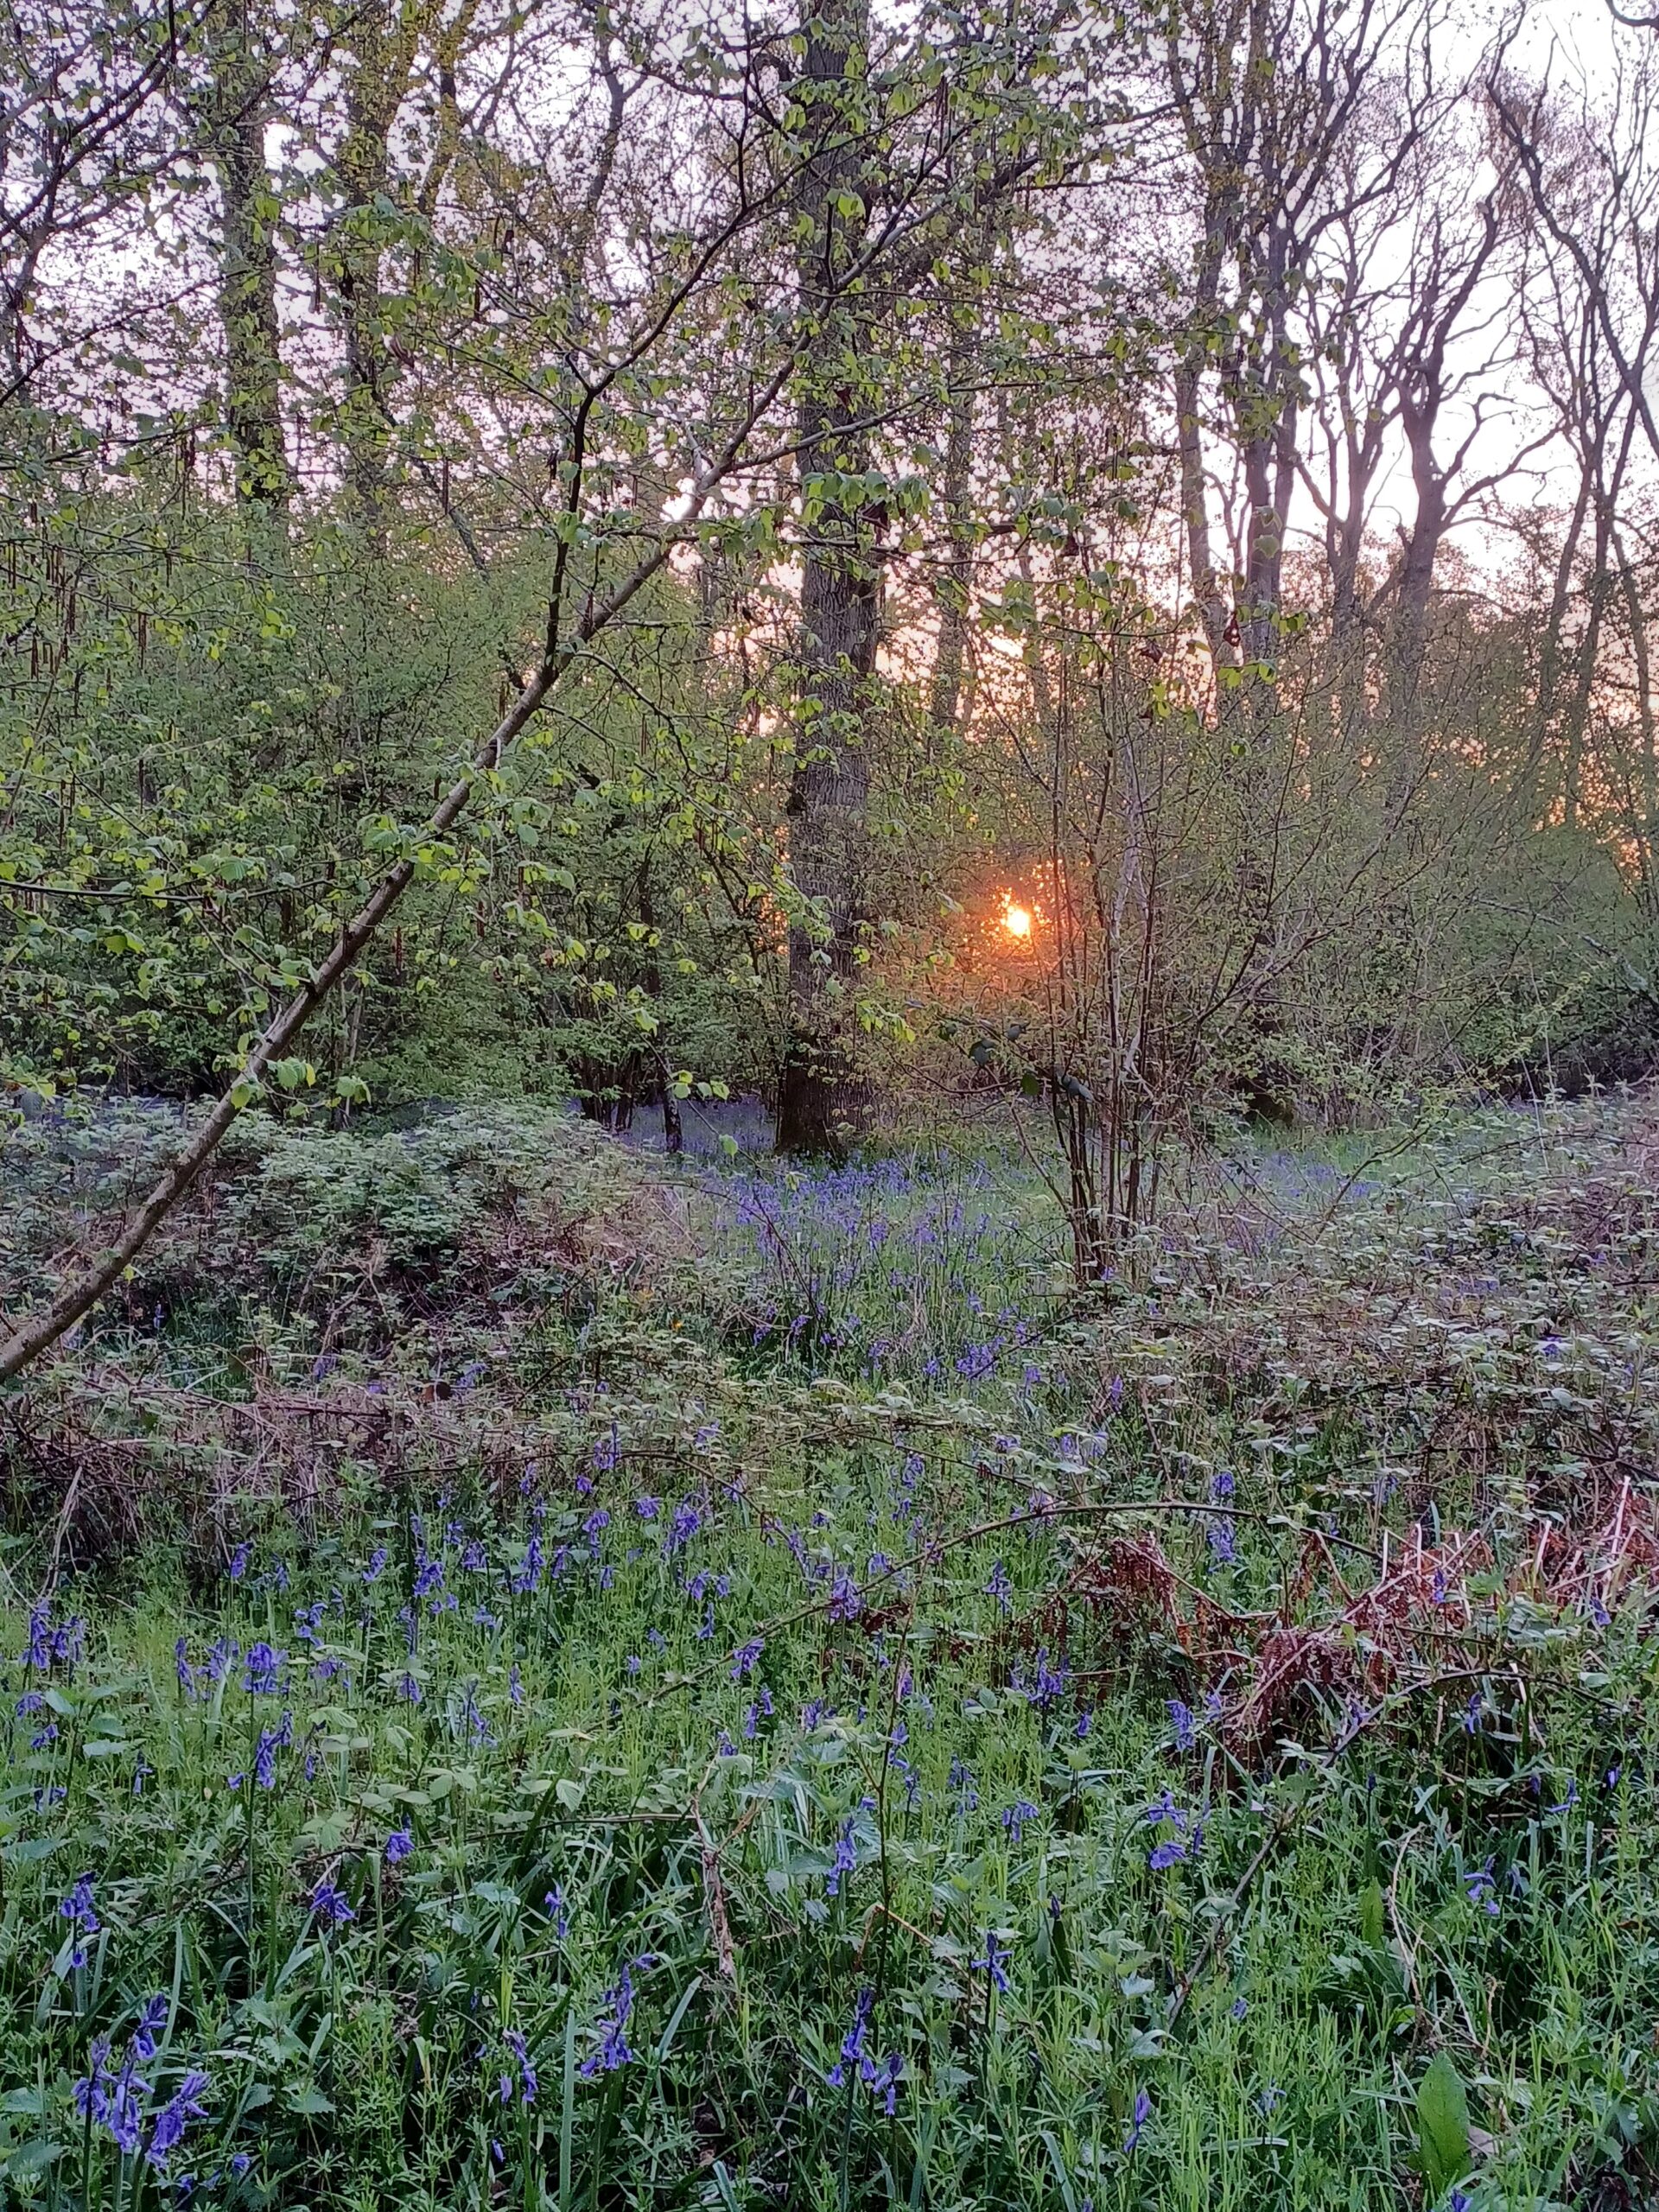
{"x":1442,"y":2125}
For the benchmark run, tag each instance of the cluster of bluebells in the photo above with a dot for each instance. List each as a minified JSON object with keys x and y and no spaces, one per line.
{"x":1183,"y":1845}
{"x":120,"y":2100}
{"x":835,"y":1251}
{"x":617,"y":2008}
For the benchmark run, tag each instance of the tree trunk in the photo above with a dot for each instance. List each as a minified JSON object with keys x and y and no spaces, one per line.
{"x":822,"y":1097}
{"x":238,"y":100}
{"x":382,"y":47}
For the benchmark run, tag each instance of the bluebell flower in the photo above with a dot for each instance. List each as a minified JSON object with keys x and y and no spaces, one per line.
{"x":377,"y":1566}
{"x":852,"y":2044}
{"x":167,"y":2131}
{"x":1483,"y":1890}
{"x":112,"y":2101}
{"x":1142,"y":2115}
{"x":1015,"y":1817}
{"x":238,"y":1562}
{"x":746,"y":1658}
{"x":261,"y":1671}
{"x":558,"y":1911}
{"x":995,"y":1962}
{"x":528,"y":2081}
{"x":151,"y":2021}
{"x":1050,"y":1682}
{"x":1181,"y":1716}
{"x":845,"y":1861}
{"x":1223,"y":1544}
{"x":999,"y":1586}
{"x":399,"y":1844}
{"x":80,"y":1909}
{"x":618,"y":2004}
{"x":329,"y":1904}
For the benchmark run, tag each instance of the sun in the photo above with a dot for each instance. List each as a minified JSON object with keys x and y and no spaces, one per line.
{"x":1016,"y":920}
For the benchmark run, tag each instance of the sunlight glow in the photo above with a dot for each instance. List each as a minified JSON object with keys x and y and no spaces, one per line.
{"x":1016,"y":920}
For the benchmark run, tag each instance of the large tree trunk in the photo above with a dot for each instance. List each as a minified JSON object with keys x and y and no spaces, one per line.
{"x":383,"y":52}
{"x":239,"y":98}
{"x":822,"y":1097}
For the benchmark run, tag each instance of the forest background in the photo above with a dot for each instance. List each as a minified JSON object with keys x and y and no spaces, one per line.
{"x":630,"y":557}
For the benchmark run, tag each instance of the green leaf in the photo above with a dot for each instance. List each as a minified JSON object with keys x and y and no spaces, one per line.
{"x":1442,"y":2125}
{"x":1371,"y":1922}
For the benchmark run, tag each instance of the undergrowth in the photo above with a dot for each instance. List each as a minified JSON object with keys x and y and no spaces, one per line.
{"x":513,"y":1716}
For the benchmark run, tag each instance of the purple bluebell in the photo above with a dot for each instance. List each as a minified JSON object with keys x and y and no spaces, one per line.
{"x":995,"y":1962}
{"x":167,"y":2131}
{"x":618,"y":2004}
{"x":852,"y":2044}
{"x":330,"y":1905}
{"x":151,"y":2021}
{"x":1142,"y":2114}
{"x":262,"y":1670}
{"x":528,"y":2081}
{"x":1483,"y":1890}
{"x":80,"y":1909}
{"x":112,"y":2101}
{"x":1017,"y":1816}
{"x":845,"y":1861}
{"x":399,"y":1844}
